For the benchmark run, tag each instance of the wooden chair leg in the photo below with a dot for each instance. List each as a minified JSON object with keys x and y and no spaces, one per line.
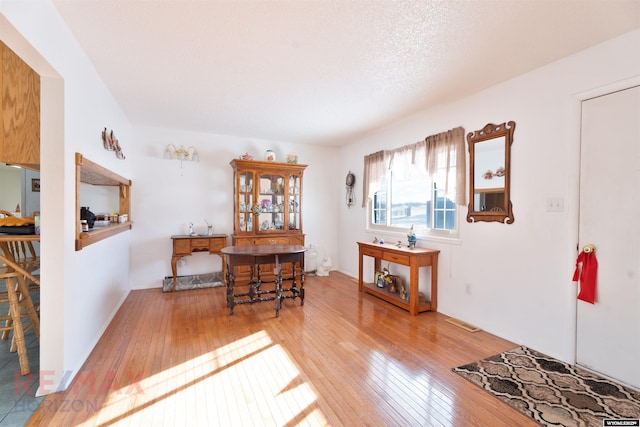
{"x":27,"y":302}
{"x":18,"y":333}
{"x":24,"y":292}
{"x":7,"y":325}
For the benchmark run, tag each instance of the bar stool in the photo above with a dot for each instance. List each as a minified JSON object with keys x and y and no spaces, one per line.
{"x":20,"y":307}
{"x":23,"y":253}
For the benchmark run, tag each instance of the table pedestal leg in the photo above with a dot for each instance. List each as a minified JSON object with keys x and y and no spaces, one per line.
{"x":174,"y":270}
{"x":277,"y":272}
{"x":301,"y":286}
{"x":230,"y":282}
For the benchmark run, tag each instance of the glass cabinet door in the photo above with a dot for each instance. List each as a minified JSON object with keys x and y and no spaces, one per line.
{"x":270,"y":203}
{"x":245,"y":202}
{"x":294,"y":202}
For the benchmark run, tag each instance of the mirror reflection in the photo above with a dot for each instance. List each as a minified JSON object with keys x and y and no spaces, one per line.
{"x":489,"y":175}
{"x":489,"y":153}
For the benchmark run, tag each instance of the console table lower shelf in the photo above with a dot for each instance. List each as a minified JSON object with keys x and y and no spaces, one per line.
{"x":415,"y":259}
{"x":257,"y":290}
{"x":185,"y":245}
{"x":394,"y":298}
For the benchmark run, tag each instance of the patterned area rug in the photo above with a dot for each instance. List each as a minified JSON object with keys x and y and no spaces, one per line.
{"x":196,"y":281}
{"x":552,"y":392}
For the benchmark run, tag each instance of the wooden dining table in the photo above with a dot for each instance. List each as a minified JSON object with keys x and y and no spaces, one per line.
{"x":5,"y":237}
{"x":256,"y":256}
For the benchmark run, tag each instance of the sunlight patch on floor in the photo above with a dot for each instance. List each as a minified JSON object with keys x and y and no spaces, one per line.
{"x":248,"y":382}
{"x":392,"y":378}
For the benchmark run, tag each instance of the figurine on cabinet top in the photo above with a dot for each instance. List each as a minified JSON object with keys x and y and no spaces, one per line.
{"x":292,"y":158}
{"x":411,"y":237}
{"x":270,"y":156}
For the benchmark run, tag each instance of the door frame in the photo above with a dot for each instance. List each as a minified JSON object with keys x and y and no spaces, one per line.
{"x":573,"y":166}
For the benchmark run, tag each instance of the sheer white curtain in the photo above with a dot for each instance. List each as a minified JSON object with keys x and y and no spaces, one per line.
{"x":444,"y":152}
{"x":404,"y":160}
{"x":374,"y":170}
{"x":437,"y":155}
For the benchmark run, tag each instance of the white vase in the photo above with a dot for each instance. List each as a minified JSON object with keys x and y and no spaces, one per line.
{"x":270,"y":156}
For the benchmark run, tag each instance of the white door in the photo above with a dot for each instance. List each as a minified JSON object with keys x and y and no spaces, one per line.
{"x":608,"y":332}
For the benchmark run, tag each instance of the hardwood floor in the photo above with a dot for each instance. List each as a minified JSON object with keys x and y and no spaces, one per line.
{"x":344,"y":358}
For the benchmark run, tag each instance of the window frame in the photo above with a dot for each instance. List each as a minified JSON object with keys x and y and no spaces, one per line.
{"x":442,"y":152}
{"x":424,"y":233}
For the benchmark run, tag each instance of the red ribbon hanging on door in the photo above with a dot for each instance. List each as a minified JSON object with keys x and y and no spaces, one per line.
{"x":586,"y":275}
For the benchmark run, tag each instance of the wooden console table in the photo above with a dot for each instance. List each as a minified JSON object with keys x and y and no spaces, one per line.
{"x":414,"y":258}
{"x":257,"y":256}
{"x":184,"y":245}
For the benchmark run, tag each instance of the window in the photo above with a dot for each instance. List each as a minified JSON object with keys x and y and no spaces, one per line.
{"x":443,"y":213}
{"x":380,"y":206}
{"x":413,"y":202}
{"x":417,"y":185}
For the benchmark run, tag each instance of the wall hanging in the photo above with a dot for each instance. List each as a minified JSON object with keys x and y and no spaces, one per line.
{"x":490,"y":173}
{"x":110,"y":142}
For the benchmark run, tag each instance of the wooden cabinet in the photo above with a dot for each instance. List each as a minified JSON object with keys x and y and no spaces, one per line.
{"x":19,"y":111}
{"x":414,"y":259}
{"x":267,"y":205}
{"x":184,"y":245}
{"x":89,"y":172}
{"x":267,"y":202}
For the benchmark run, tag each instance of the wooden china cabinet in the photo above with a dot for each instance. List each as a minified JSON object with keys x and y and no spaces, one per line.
{"x":267,"y":205}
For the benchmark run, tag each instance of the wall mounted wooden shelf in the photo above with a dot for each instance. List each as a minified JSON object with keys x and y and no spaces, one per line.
{"x":89,"y":172}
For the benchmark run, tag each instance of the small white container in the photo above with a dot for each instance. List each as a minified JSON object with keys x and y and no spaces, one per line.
{"x":270,"y":156}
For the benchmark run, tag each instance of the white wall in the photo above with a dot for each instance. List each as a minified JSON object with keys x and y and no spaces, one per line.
{"x":519,"y":274}
{"x":166,"y":197}
{"x":30,"y":199}
{"x":10,"y":188}
{"x":15,"y":188}
{"x":80,"y":290}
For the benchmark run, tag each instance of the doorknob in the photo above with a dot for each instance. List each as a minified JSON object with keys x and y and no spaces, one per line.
{"x":588,"y":249}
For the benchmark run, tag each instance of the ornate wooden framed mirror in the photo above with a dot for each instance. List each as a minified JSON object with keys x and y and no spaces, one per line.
{"x":490,"y":171}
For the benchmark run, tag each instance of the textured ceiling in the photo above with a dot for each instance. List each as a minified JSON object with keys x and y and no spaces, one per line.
{"x":317,"y":71}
